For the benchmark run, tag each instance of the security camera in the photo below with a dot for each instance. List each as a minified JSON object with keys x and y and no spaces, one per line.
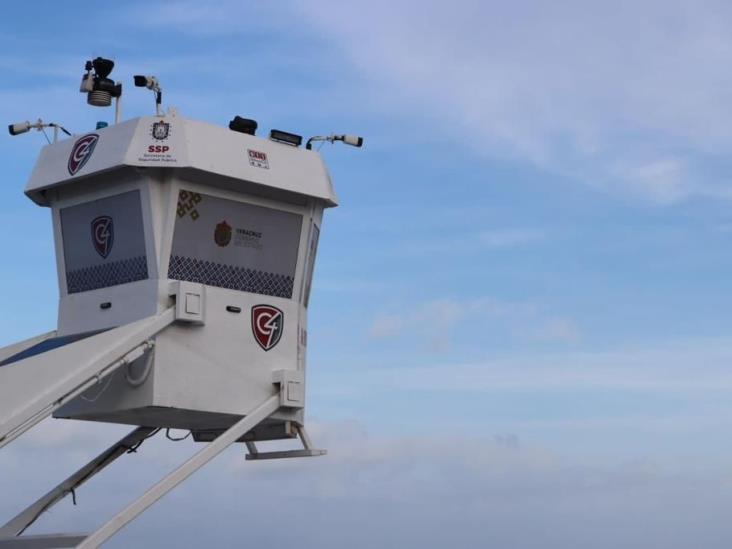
{"x":151,"y":83}
{"x":23,"y":127}
{"x":353,"y":140}
{"x":20,"y":127}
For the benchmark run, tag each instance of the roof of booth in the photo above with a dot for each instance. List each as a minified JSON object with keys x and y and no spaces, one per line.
{"x":174,"y":142}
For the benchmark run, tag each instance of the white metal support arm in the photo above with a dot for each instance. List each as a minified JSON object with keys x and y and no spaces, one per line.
{"x":49,"y":384}
{"x":212,"y":449}
{"x":24,"y":519}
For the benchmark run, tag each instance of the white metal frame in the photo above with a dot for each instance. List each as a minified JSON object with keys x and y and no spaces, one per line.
{"x":97,"y":367}
{"x":210,"y":451}
{"x":11,"y":533}
{"x":23,"y":520}
{"x":130,"y":348}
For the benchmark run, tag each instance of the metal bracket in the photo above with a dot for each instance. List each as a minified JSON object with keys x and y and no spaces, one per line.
{"x":307,"y":451}
{"x":292,"y":387}
{"x":190,"y":302}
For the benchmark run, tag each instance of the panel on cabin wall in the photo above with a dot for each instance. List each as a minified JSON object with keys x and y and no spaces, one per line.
{"x":235,"y":245}
{"x":104,"y":242}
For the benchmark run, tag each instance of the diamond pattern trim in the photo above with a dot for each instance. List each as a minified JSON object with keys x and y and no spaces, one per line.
{"x":107,"y":274}
{"x":232,"y":278}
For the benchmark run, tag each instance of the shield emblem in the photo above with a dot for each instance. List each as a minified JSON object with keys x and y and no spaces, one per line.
{"x":268,"y":323}
{"x":81,"y":152}
{"x":160,"y":130}
{"x":102,"y":232}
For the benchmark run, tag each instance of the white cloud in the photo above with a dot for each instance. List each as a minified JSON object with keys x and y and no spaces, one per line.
{"x":664,"y":180}
{"x":376,"y":491}
{"x":613,"y":95}
{"x":476,"y":242}
{"x":438,"y":321}
{"x":433,"y":320}
{"x":577,"y":88}
{"x":683,"y":367}
{"x":558,"y":329}
{"x":387,"y":325}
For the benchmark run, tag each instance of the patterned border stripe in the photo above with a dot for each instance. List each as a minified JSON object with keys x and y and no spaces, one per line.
{"x":187,"y":203}
{"x":232,"y":278}
{"x":107,"y":274}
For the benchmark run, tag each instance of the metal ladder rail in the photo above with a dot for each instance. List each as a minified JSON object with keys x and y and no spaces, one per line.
{"x":132,"y":347}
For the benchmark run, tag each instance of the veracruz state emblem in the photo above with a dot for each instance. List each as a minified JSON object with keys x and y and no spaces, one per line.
{"x":160,"y":130}
{"x":222,"y":234}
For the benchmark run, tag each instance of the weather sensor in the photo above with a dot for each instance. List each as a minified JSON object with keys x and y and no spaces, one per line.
{"x":99,"y":88}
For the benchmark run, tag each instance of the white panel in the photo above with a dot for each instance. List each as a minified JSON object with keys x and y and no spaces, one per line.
{"x":188,"y":144}
{"x":83,"y":312}
{"x":29,"y":386}
{"x":220,"y":367}
{"x":104,"y":242}
{"x":235,"y":245}
{"x":313,"y":240}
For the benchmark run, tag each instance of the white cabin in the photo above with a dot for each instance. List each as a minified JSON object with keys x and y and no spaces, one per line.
{"x":163,"y":206}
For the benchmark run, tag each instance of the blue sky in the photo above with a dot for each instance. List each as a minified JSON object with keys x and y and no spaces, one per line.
{"x":520,"y":322}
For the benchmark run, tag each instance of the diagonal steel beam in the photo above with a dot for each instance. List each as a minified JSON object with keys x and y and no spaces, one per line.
{"x":24,"y":519}
{"x":213,"y":449}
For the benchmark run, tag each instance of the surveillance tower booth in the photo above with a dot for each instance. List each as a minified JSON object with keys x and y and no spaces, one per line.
{"x":164,"y":211}
{"x":185,"y":255}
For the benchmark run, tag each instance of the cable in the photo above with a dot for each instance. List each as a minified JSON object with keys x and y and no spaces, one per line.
{"x":72,"y":490}
{"x":133,"y":449}
{"x":137,"y":382}
{"x":174,"y":439}
{"x":109,"y":381}
{"x":54,"y":125}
